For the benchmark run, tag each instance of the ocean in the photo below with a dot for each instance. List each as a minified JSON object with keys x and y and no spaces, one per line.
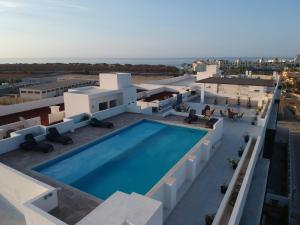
{"x":135,"y":61}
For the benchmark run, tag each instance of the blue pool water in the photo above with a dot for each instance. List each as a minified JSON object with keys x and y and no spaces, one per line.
{"x":131,"y":160}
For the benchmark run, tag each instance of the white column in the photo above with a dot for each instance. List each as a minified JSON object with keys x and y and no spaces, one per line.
{"x":207,"y":149}
{"x":191,"y":168}
{"x":202,"y":92}
{"x":170,"y":193}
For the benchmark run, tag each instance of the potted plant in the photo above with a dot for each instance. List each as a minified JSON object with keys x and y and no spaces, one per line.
{"x":246,"y":137}
{"x":241,"y":151}
{"x":224,"y":187}
{"x":209,"y":218}
{"x":233,"y":163}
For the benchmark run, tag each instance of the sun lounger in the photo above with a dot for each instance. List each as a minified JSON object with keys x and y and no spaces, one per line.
{"x":99,"y":123}
{"x":55,"y":136}
{"x":231,"y":115}
{"x":31,"y":144}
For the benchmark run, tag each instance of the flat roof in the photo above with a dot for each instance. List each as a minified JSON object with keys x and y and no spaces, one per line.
{"x":92,"y":90}
{"x":54,"y":85}
{"x":238,"y":81}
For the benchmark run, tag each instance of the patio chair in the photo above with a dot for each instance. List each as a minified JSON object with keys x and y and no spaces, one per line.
{"x":99,"y":123}
{"x":191,"y":117}
{"x":31,"y":144}
{"x":55,"y":136}
{"x":231,"y":115}
{"x":222,"y":113}
{"x":208,"y":114}
{"x":240,"y":116}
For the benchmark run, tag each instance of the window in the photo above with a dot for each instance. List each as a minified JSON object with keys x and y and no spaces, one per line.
{"x":36,"y":92}
{"x":112,"y":103}
{"x":30,"y":92}
{"x":103,"y":106}
{"x":43,"y":92}
{"x":23,"y":91}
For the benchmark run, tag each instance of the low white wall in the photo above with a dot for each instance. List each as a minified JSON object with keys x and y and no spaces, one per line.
{"x":19,"y":125}
{"x":10,"y":109}
{"x":80,"y":120}
{"x":169,"y":189}
{"x":56,"y":117}
{"x":138,"y":109}
{"x":12,"y":143}
{"x":101,"y":115}
{"x":66,"y":126}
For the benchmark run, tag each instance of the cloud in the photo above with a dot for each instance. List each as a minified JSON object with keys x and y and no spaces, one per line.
{"x":9,"y":4}
{"x":66,"y":4}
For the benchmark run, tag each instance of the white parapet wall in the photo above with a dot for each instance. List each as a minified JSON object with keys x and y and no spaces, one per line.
{"x":32,"y":198}
{"x":125,"y":209}
{"x":101,"y":115}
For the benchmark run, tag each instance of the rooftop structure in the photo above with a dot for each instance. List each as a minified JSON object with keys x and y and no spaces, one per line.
{"x":58,"y":188}
{"x":210,"y":71}
{"x":52,"y":89}
{"x":115,"y":90}
{"x":238,"y":81}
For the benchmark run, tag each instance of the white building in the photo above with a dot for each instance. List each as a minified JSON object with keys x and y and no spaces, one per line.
{"x":233,"y":88}
{"x":193,"y":182}
{"x":49,"y":90}
{"x":115,"y":90}
{"x":210,"y":71}
{"x":297,"y":59}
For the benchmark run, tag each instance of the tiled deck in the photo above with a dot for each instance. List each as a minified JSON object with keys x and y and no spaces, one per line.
{"x":74,"y":204}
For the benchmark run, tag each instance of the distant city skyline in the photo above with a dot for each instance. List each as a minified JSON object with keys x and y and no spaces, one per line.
{"x":148,"y":29}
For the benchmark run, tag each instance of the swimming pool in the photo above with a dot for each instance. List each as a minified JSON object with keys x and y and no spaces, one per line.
{"x":130,"y":160}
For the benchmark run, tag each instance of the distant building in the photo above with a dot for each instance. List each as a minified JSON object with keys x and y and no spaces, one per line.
{"x":198,"y":66}
{"x":238,"y":61}
{"x":210,"y":71}
{"x":297,"y":59}
{"x":49,"y":90}
{"x":233,"y":88}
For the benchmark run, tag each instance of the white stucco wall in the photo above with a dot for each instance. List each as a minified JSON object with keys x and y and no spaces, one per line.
{"x":114,"y":81}
{"x":76,"y":104}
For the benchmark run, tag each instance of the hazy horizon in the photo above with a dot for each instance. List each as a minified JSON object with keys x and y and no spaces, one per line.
{"x":148,"y":29}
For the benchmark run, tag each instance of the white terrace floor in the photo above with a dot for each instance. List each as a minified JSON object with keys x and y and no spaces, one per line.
{"x":204,"y":196}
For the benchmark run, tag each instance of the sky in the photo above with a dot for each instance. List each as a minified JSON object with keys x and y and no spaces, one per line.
{"x":149,"y":28}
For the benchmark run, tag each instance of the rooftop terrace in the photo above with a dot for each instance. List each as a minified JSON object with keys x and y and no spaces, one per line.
{"x":74,"y":204}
